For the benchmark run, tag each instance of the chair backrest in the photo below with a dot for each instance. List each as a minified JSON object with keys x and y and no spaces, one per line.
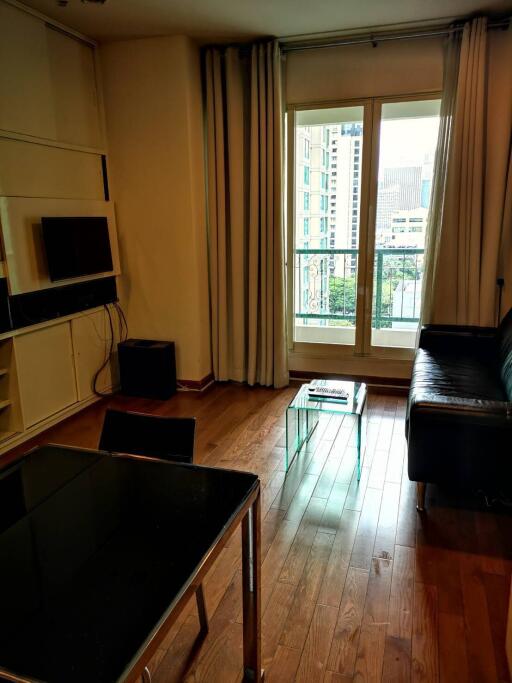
{"x":166,"y":438}
{"x":505,"y":352}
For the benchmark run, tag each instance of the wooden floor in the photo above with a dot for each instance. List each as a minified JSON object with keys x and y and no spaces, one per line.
{"x":356,"y":585}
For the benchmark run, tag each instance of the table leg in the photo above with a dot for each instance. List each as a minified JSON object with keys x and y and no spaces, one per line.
{"x":359,"y":421}
{"x":251,"y":586}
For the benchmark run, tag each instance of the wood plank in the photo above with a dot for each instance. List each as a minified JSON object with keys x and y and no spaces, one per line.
{"x":425,"y":665}
{"x":303,"y":607}
{"x":397,"y":653}
{"x":453,"y":662}
{"x":316,"y":648}
{"x":370,"y":650}
{"x":332,"y":677}
{"x":479,"y":643}
{"x":299,"y":551}
{"x":334,"y":508}
{"x":274,"y":619}
{"x":497,"y":594}
{"x":284,"y":666}
{"x":386,"y":530}
{"x":342,"y":656}
{"x":338,"y":564}
{"x":376,"y":608}
{"x":407,"y":515}
{"x":370,"y":653}
{"x":362,"y":551}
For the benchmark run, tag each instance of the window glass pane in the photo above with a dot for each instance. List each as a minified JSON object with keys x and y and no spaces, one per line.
{"x":408,"y":138}
{"x":325,"y":277}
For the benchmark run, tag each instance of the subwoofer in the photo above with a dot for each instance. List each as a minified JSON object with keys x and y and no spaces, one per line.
{"x":147,"y":368}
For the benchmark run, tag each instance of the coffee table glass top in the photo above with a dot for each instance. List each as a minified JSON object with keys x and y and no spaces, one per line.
{"x":95,"y":551}
{"x":353,"y":406}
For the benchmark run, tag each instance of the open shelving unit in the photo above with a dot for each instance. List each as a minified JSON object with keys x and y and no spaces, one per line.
{"x":10,"y":414}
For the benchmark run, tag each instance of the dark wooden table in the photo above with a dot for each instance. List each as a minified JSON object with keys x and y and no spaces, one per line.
{"x":100,"y":554}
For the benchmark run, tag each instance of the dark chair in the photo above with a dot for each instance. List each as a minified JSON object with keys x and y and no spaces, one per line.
{"x":165,"y":438}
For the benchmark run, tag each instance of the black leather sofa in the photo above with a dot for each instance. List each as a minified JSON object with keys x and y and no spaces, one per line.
{"x":459,"y":413}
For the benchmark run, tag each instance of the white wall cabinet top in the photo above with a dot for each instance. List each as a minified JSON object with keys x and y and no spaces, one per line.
{"x":48,"y":91}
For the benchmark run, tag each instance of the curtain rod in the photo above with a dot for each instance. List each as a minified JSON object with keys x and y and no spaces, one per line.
{"x":375,"y":38}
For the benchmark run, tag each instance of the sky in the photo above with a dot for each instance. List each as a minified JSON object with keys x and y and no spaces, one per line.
{"x":405,"y":142}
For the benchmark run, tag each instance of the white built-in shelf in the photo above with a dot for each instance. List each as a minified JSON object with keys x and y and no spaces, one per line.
{"x":5,"y":403}
{"x":4,"y":436}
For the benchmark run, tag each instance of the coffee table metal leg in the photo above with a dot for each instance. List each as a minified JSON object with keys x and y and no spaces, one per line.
{"x":359,"y":420}
{"x":251,"y":583}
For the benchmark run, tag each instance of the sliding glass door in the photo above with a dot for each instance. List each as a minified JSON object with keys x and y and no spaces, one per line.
{"x":407,"y":137}
{"x":329,"y":146}
{"x":362,"y":177}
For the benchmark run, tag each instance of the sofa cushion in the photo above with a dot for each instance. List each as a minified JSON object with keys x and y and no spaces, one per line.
{"x":449,"y":374}
{"x":504,"y":338}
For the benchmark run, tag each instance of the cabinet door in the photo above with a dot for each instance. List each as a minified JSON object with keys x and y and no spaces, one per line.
{"x":91,"y":341}
{"x":26,"y":104}
{"x":46,"y":373}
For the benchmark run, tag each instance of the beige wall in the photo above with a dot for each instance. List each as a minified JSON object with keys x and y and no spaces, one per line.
{"x":152,"y":93}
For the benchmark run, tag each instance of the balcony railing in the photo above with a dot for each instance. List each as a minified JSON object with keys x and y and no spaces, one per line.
{"x":326,"y":286}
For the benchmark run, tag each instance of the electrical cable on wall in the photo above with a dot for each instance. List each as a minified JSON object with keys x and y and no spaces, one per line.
{"x":123,"y":335}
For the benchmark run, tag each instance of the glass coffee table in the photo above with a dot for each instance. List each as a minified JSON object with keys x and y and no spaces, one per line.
{"x":303,"y":414}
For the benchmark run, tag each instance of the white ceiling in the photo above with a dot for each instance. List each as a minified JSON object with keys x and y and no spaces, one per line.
{"x":238,"y":19}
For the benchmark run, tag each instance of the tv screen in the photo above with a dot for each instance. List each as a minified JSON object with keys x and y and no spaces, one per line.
{"x":76,"y":246}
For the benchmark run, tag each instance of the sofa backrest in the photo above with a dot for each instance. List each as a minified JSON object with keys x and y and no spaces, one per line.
{"x":505,"y":352}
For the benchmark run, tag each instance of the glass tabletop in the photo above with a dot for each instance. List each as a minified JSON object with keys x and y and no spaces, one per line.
{"x":95,"y":551}
{"x":353,"y":406}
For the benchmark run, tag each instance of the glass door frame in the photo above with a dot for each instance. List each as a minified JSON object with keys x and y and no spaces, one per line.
{"x":369,"y":349}
{"x":367,"y":226}
{"x":324,"y":349}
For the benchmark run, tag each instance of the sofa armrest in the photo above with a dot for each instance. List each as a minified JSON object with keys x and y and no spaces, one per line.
{"x":461,"y":442}
{"x":458,"y":410}
{"x":458,"y":338}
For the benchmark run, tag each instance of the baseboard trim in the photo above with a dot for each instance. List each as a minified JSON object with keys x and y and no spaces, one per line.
{"x":385,"y":385}
{"x":196,"y":384}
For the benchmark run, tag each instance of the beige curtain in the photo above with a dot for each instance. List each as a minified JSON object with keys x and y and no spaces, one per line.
{"x":437,"y":200}
{"x":245,"y":214}
{"x":498,"y":176}
{"x":468,"y":240}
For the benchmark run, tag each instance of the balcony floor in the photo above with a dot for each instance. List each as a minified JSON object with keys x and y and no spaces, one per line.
{"x":356,"y":585}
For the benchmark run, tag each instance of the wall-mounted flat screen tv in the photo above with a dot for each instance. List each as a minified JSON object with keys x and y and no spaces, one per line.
{"x":76,"y":246}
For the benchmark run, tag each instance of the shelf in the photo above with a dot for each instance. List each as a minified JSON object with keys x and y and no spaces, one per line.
{"x":5,"y":403}
{"x":5,"y":436}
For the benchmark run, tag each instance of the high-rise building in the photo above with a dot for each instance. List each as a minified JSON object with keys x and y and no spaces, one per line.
{"x":345,"y":195}
{"x":399,"y":190}
{"x":311,"y":215}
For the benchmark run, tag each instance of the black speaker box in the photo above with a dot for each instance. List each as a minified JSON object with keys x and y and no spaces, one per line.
{"x":5,"y":311}
{"x":147,"y":368}
{"x":46,"y":304}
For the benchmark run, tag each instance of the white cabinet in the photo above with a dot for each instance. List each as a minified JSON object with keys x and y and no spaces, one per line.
{"x":46,"y":372}
{"x":25,"y":82}
{"x":47,"y":81}
{"x":91,"y":343}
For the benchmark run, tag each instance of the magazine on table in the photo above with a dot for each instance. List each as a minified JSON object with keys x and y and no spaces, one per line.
{"x":328,"y":389}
